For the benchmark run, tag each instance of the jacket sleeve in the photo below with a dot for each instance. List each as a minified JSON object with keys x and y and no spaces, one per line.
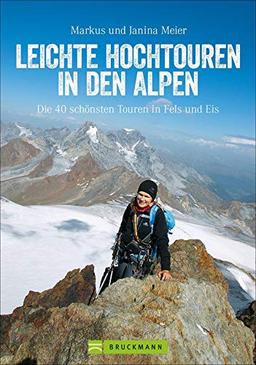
{"x":125,"y":219}
{"x":160,"y":233}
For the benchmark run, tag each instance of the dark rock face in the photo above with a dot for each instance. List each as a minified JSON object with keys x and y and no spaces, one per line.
{"x":190,"y":258}
{"x":77,"y":287}
{"x":190,"y":311}
{"x":237,"y":296}
{"x":54,"y":189}
{"x":248,"y":317}
{"x":42,"y":168}
{"x":6,"y":321}
{"x":17,"y":151}
{"x":28,"y":361}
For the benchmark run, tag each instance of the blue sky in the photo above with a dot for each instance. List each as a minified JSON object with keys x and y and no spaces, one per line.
{"x":207,"y":22}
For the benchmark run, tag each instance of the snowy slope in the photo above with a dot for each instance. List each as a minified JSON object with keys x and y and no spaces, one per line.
{"x":41,"y":243}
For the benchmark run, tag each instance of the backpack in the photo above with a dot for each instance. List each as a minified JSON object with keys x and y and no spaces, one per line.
{"x":170,"y":221}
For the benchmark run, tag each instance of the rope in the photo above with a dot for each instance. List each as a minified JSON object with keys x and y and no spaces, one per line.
{"x":135,"y":224}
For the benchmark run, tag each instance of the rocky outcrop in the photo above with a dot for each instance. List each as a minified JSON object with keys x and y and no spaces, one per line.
{"x":16,"y":152}
{"x":248,"y":316}
{"x":53,"y":189}
{"x":109,"y":186}
{"x":238,"y":297}
{"x":42,"y":168}
{"x":78,"y":286}
{"x":190,"y":310}
{"x":242,"y":213}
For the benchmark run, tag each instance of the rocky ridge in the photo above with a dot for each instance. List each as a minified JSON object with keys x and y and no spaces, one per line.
{"x":191,"y":311}
{"x":16,"y":152}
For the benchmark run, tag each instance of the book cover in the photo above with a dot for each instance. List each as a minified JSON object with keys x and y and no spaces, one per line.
{"x":97,"y":97}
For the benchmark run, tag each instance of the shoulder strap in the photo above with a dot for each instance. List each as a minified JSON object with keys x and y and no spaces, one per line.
{"x":152,"y":215}
{"x":134,"y":223}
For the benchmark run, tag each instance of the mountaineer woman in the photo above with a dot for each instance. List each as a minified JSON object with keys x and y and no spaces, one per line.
{"x":136,"y":231}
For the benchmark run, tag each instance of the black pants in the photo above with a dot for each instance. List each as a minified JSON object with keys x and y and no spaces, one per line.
{"x":125,"y":270}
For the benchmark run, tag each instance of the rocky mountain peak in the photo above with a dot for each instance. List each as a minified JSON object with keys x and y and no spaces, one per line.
{"x":129,"y":137}
{"x":86,"y":134}
{"x":190,"y":311}
{"x":87,"y":125}
{"x":78,"y":286}
{"x":16,"y":152}
{"x":131,"y":133}
{"x":57,"y":132}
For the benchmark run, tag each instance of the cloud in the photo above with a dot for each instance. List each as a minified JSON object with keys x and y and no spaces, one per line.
{"x":240,"y":141}
{"x":39,"y":115}
{"x":205,"y":142}
{"x":160,"y":102}
{"x":55,"y":118}
{"x":70,"y":118}
{"x":226,"y":142}
{"x":230,"y":145}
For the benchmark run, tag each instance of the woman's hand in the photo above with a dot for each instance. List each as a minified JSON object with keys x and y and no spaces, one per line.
{"x":164,"y":275}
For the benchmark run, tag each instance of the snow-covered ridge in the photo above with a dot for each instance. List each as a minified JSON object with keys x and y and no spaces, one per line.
{"x":130,"y":154}
{"x":24,"y":132}
{"x":59,"y":150}
{"x":92,"y":133}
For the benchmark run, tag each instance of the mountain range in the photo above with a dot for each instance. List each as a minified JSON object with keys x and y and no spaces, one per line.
{"x":86,"y":166}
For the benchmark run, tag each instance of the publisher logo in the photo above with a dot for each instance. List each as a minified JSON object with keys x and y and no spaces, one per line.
{"x":95,"y":347}
{"x":127,"y":347}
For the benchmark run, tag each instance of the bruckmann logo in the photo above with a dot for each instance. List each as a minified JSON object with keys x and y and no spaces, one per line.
{"x":127,"y":347}
{"x":95,"y":347}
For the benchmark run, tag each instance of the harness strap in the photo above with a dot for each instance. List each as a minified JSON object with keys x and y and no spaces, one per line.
{"x":135,"y":224}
